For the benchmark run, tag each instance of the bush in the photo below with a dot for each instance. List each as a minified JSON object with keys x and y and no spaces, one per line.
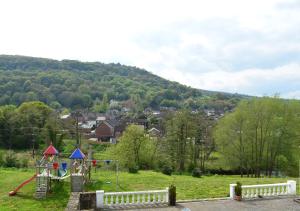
{"x":133,"y":170}
{"x":167,"y":170}
{"x":1,"y":159}
{"x":191,"y":167}
{"x":10,"y":160}
{"x":238,"y":189}
{"x":24,"y":163}
{"x":196,"y":172}
{"x":221,"y":171}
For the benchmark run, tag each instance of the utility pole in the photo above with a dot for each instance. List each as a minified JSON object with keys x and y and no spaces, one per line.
{"x":77,"y":132}
{"x":33,"y":150}
{"x":33,"y":143}
{"x":10,"y":138}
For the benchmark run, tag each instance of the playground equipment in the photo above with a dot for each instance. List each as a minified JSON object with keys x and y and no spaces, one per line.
{"x":47,"y":169}
{"x":50,"y":168}
{"x":106,"y":165}
{"x":78,"y":171}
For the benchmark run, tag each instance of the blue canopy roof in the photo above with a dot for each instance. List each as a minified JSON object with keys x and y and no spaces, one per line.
{"x":77,"y":154}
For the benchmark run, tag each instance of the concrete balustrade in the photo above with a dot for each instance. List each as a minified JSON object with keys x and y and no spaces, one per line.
{"x":131,"y":198}
{"x":266,"y":190}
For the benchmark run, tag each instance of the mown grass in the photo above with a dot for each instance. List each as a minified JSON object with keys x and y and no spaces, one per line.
{"x":25,"y":200}
{"x":188,"y":187}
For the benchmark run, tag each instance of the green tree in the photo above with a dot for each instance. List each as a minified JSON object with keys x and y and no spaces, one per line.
{"x":104,"y":104}
{"x":130,"y":146}
{"x":180,"y":131}
{"x":258,"y":133}
{"x":189,"y":140}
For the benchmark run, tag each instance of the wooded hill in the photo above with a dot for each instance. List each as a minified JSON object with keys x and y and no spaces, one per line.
{"x":73,"y":84}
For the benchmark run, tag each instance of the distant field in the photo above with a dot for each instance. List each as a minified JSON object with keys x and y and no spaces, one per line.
{"x":187,"y":187}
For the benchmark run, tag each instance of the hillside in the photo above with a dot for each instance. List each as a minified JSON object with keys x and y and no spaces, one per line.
{"x":73,"y":84}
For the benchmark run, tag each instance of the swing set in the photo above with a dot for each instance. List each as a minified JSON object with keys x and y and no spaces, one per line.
{"x":106,"y":164}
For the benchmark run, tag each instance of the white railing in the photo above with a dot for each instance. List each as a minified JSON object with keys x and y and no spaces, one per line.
{"x":131,"y":198}
{"x":266,"y":190}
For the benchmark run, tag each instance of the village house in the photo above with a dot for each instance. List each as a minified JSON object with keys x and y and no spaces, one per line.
{"x":154,"y":132}
{"x":109,"y":130}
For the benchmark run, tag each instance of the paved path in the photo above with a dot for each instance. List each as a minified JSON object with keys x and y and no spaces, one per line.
{"x":284,"y":204}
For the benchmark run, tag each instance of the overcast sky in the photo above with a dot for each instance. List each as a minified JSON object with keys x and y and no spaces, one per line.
{"x":250,"y":47}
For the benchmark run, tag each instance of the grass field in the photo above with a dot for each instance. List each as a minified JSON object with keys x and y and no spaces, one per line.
{"x":187,"y":187}
{"x":24,"y":200}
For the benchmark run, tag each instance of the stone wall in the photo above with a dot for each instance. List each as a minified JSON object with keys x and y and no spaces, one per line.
{"x":82,"y":201}
{"x":87,"y":200}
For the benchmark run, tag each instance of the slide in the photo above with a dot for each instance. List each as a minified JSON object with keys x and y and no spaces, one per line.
{"x":62,"y":173}
{"x":14,"y":192}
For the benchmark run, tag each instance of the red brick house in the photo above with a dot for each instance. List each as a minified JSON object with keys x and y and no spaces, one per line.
{"x":109,"y":130}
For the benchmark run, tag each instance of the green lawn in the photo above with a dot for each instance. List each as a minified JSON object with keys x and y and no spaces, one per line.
{"x":187,"y":187}
{"x":24,"y":200}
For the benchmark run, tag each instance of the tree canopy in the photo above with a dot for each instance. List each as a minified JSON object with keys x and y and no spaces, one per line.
{"x":30,"y":124}
{"x":73,"y":84}
{"x":261,"y":136}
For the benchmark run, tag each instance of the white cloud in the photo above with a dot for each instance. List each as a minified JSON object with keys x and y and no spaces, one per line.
{"x":292,"y":95}
{"x":252,"y":81}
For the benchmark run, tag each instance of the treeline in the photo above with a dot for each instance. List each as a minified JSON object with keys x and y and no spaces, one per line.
{"x":74,"y":85}
{"x":28,"y":126}
{"x":261,"y":136}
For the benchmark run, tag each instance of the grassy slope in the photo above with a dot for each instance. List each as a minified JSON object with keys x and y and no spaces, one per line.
{"x":187,"y":187}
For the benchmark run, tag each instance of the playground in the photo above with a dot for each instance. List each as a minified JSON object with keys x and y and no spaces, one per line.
{"x":52,"y":178}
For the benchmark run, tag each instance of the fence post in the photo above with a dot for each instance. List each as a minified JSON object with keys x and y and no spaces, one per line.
{"x":100,"y":198}
{"x":291,"y":188}
{"x":232,"y":192}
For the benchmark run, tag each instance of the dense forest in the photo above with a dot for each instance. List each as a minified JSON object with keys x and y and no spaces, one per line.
{"x":73,"y":84}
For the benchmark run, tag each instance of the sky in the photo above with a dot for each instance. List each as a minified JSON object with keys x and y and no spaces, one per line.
{"x":248,"y":47}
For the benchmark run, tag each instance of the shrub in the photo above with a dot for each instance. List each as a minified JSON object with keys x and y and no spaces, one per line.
{"x":10,"y":160}
{"x":238,"y":189}
{"x":167,"y":170}
{"x":191,"y":167}
{"x":24,"y":163}
{"x":221,"y":171}
{"x":196,"y":172}
{"x":1,"y":159}
{"x":133,"y":170}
